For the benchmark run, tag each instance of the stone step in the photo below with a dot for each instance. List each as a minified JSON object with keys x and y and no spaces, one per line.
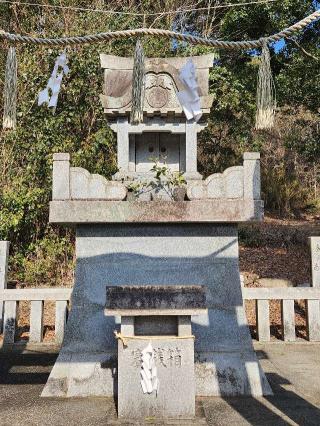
{"x":164,"y":422}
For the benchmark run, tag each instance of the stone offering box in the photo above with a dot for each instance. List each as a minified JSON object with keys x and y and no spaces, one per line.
{"x":159,"y":316}
{"x":143,"y":243}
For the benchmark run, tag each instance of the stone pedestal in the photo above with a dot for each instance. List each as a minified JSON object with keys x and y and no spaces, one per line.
{"x":157,"y":243}
{"x":157,"y":254}
{"x":156,"y":348}
{"x":175,"y":369}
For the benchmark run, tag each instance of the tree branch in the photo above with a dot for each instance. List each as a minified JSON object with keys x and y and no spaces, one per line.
{"x":302,"y":49}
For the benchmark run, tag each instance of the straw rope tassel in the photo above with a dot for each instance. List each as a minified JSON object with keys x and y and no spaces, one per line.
{"x":266,"y":96}
{"x":138,"y":85}
{"x":10,"y":91}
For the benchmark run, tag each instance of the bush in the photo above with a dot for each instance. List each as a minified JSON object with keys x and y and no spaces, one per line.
{"x":283,"y":193}
{"x":50,"y":262}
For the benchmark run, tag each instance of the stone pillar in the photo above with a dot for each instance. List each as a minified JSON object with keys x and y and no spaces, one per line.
{"x":252,"y":184}
{"x":4,"y":255}
{"x":191,"y":151}
{"x":184,"y":325}
{"x":123,"y":144}
{"x":10,"y":320}
{"x":61,"y":320}
{"x":127,"y":326}
{"x":36,"y":321}
{"x":61,"y":176}
{"x":315,"y":260}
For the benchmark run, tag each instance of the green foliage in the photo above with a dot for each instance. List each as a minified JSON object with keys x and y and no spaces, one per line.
{"x":161,"y":179}
{"x":22,"y":208}
{"x":284,"y":193}
{"x":290,"y":154}
{"x":50,"y":262}
{"x":249,"y":236}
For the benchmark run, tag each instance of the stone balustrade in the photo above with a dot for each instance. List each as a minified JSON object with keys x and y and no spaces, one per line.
{"x":80,"y":197}
{"x":36,"y":296}
{"x":76,"y":183}
{"x":287,"y":296}
{"x":238,"y":182}
{"x":262,"y":296}
{"x":4,"y":255}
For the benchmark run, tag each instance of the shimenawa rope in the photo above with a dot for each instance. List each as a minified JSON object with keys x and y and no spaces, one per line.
{"x":112,"y":35}
{"x":265,"y":90}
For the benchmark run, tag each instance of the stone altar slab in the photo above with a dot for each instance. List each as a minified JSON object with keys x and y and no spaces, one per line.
{"x":72,"y":212}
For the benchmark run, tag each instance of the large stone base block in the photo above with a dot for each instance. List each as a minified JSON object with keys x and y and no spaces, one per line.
{"x":174,"y":361}
{"x":162,"y":254}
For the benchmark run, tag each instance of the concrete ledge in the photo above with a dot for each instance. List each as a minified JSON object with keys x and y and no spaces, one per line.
{"x":83,"y":212}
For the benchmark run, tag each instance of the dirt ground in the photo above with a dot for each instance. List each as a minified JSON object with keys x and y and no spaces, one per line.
{"x":274,"y":249}
{"x":290,"y":263}
{"x":279,"y":249}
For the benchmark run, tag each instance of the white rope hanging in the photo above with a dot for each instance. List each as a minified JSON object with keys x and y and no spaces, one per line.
{"x":10,"y":91}
{"x":138,"y":85}
{"x":266,"y":97}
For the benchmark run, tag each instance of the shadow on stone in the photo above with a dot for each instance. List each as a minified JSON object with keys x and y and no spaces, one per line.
{"x":285,"y":407}
{"x":112,"y":365}
{"x":290,"y":403}
{"x":179,"y":254}
{"x":18,"y":368}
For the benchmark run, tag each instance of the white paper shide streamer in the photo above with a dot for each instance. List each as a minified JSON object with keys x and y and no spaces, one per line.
{"x":149,"y":380}
{"x":50,"y":94}
{"x":189,"y":98}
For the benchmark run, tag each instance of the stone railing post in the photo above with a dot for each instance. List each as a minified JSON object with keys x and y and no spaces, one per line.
{"x":315,"y":260}
{"x":4,"y":255}
{"x":191,"y":147}
{"x":61,"y":176}
{"x":251,"y":175}
{"x":123,"y":144}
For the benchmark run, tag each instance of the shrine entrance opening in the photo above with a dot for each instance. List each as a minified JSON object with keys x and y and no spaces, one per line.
{"x":162,"y":146}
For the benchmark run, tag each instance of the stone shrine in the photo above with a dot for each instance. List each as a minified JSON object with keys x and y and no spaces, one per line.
{"x":146,"y":243}
{"x":165,"y":131}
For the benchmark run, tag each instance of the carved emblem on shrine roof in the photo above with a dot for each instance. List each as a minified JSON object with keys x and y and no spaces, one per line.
{"x":162,"y":84}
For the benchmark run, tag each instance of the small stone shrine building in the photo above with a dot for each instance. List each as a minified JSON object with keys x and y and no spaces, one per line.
{"x":165,"y":130}
{"x":121,"y":242}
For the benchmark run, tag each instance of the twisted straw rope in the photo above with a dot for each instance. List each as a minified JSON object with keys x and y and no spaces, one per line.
{"x":124,"y":338}
{"x":113,"y":35}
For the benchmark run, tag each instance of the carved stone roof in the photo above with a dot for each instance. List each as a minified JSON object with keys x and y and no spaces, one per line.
{"x":162,"y":83}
